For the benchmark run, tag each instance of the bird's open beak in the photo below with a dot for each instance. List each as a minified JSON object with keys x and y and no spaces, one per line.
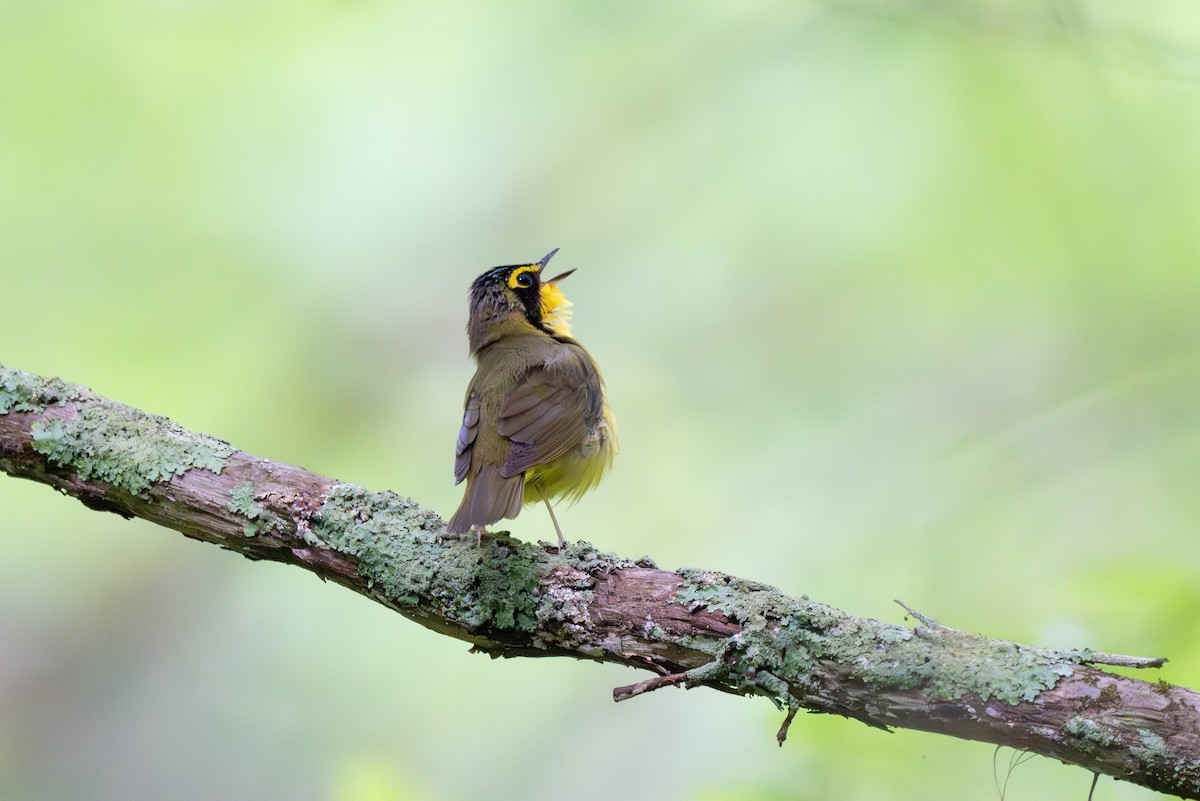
{"x":546,"y":260}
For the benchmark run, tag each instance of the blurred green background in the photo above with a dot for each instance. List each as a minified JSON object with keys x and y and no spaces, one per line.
{"x":891,"y":303}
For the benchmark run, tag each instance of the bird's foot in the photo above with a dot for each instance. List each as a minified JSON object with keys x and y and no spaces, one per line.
{"x":477,"y":530}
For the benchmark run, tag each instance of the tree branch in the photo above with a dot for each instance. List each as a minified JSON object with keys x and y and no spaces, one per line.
{"x":691,"y":628}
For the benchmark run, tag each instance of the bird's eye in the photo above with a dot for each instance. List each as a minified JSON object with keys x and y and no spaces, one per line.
{"x":523,"y":277}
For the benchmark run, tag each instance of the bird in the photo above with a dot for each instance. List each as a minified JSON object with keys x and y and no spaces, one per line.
{"x":536,"y":425}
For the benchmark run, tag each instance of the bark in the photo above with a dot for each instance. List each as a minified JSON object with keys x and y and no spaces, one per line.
{"x":689,"y":628}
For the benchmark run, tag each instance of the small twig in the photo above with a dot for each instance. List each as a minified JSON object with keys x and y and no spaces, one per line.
{"x":709,"y":671}
{"x":926,"y":619}
{"x":1093,"y":658}
{"x":1119,"y":660}
{"x":781,"y":735}
{"x":649,"y":685}
{"x":1095,"y":778}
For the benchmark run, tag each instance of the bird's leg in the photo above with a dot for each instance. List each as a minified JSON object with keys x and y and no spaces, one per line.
{"x":561,"y":542}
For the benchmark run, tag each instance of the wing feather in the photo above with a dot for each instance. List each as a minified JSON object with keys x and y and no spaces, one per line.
{"x":546,"y":415}
{"x":466,"y":438}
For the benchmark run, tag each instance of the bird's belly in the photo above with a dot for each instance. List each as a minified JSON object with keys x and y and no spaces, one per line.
{"x":576,"y":472}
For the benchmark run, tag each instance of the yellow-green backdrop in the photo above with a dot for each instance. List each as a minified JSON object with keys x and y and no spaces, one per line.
{"x":891,"y":304}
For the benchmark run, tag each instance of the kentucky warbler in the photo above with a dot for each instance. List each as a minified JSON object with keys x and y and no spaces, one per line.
{"x":536,"y":425}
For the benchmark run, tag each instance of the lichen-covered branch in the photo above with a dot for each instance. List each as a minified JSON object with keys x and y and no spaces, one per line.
{"x":688,"y":627}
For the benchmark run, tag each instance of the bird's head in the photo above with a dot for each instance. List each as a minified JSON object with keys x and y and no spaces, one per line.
{"x":507,"y":298}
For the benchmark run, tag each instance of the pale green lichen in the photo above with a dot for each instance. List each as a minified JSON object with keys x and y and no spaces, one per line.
{"x":404,"y":553}
{"x":241,"y":502}
{"x":722,"y":593}
{"x":1090,"y":731}
{"x":788,"y":638}
{"x":126,"y":448}
{"x":395,"y":543}
{"x":389,"y":535}
{"x":987,"y":668}
{"x":1164,"y":763}
{"x":1152,"y":746}
{"x":22,"y":392}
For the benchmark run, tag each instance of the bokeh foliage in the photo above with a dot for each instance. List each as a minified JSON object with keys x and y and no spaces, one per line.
{"x":892,"y":302}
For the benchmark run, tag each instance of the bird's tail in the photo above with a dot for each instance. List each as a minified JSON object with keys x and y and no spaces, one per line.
{"x":489,"y":497}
